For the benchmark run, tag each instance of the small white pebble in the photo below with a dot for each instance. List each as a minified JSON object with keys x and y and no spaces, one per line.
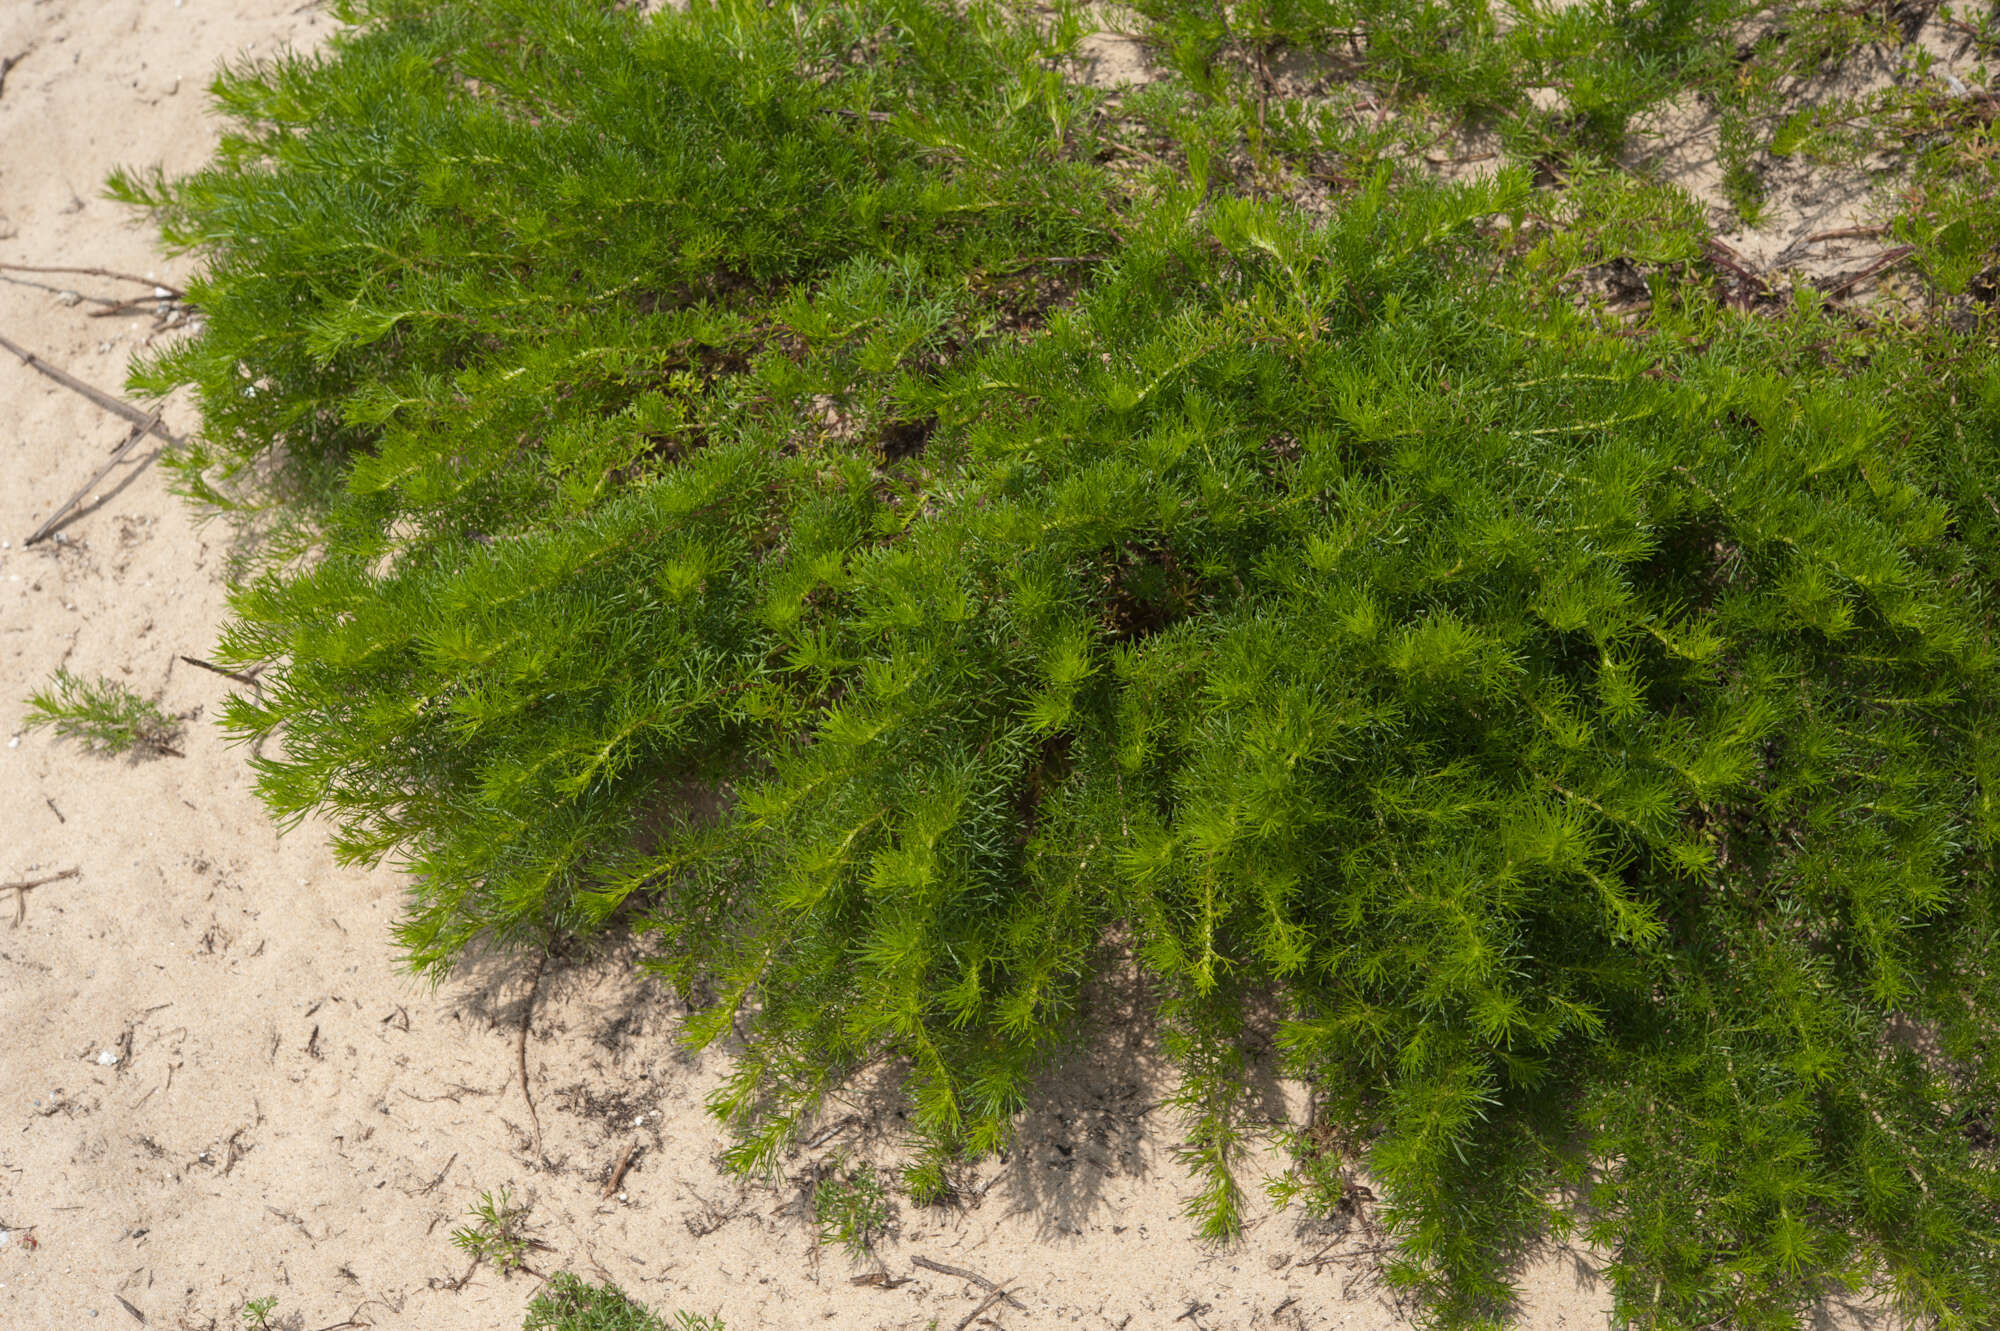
{"x":623,"y":1198}
{"x":162,"y":292}
{"x":639,"y":1122}
{"x":106,"y":1059}
{"x":14,"y":743}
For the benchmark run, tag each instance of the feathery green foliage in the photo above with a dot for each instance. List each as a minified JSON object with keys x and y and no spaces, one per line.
{"x":495,"y":1232}
{"x":106,"y":716}
{"x":851,"y":1207}
{"x":568,"y":1303}
{"x":1574,"y":748}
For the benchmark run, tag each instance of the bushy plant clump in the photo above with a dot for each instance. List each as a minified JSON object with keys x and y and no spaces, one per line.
{"x":1575,"y":749}
{"x":568,"y":1303}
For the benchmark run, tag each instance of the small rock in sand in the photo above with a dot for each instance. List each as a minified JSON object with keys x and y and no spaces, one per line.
{"x":106,"y":1059}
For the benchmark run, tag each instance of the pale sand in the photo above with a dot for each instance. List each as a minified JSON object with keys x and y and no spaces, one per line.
{"x":292,"y":1115}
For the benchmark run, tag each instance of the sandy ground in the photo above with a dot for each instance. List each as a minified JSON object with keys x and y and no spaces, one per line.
{"x":215,"y":1084}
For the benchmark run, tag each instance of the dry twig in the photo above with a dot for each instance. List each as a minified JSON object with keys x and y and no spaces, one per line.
{"x":1887,"y":259}
{"x":117,"y":406}
{"x":21,"y":890}
{"x":964,"y":1274}
{"x":1727,"y":259}
{"x":250,"y":679}
{"x":62,"y":513}
{"x":618,"y":1174}
{"x":1848,"y":233}
{"x":879,"y":1280}
{"x":986,"y":1303}
{"x":173,"y":292}
{"x":432,"y":1185}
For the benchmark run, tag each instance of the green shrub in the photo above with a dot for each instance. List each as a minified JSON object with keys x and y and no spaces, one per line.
{"x":1575,"y":750}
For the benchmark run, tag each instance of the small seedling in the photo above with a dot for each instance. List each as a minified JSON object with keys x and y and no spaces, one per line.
{"x":851,"y":1208}
{"x":496,"y":1233}
{"x":107,"y":716}
{"x":256,"y":1313}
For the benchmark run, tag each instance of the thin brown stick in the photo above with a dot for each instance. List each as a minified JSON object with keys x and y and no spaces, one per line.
{"x":62,"y":513}
{"x":1888,"y":259}
{"x":618,"y":1174}
{"x":172,"y":291}
{"x":1327,"y":1254}
{"x":986,"y":1303}
{"x":117,"y":406}
{"x":521,"y":1053}
{"x":1848,"y":233}
{"x":964,"y":1274}
{"x":37,"y":882}
{"x":432,"y":1185}
{"x":250,"y":679}
{"x":1726,"y":258}
{"x":21,"y":890}
{"x":1959,"y":25}
{"x":63,"y":291}
{"x":139,"y":305}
